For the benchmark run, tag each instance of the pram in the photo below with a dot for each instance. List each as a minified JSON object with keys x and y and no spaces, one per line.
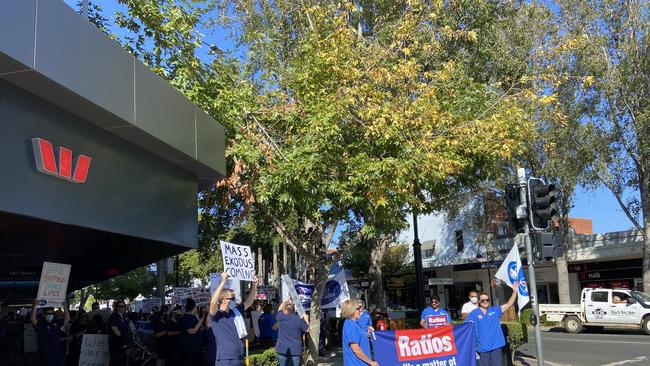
{"x":143,"y":344}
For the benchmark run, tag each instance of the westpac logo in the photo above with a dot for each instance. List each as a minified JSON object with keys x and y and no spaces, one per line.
{"x":419,"y":344}
{"x":46,"y":162}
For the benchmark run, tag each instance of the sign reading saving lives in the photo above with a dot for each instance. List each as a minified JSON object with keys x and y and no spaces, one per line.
{"x":53,"y":285}
{"x":238,"y":261}
{"x":441,"y":346}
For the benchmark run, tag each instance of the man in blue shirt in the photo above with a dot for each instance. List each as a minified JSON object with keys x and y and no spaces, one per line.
{"x":489,"y":336}
{"x":228,"y":325}
{"x":434,"y":316}
{"x":49,"y":335}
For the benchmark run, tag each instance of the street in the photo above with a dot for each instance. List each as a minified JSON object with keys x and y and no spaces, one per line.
{"x":607,"y":348}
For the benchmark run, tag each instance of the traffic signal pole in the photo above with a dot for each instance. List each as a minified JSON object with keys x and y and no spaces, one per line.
{"x":532,"y":293}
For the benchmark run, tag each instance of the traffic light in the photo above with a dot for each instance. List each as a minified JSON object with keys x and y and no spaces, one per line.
{"x":513,"y":201}
{"x":548,"y":245}
{"x":542,"y":203}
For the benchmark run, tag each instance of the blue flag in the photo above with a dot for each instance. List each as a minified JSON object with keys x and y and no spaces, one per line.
{"x":441,"y":346}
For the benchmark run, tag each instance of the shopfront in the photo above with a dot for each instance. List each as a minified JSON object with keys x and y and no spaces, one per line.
{"x":101,"y":159}
{"x":609,"y":274}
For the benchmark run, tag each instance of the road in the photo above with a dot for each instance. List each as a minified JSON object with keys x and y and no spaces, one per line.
{"x":607,"y":348}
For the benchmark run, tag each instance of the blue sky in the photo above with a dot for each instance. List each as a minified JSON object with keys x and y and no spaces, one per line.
{"x":599,"y":205}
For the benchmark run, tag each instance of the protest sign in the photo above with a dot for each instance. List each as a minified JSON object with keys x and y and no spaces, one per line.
{"x":336,"y":291}
{"x":200,"y":295}
{"x":94,"y":350}
{"x":238,"y":261}
{"x":289,"y":289}
{"x":231,"y":284}
{"x":264,"y":292}
{"x":53,"y":285}
{"x":147,"y":305}
{"x":440,"y":346}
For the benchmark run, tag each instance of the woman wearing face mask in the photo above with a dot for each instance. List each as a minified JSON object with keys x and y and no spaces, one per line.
{"x":49,"y":335}
{"x":228,"y":325}
{"x":469,"y":306}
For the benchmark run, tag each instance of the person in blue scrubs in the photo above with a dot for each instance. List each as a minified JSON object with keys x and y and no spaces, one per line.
{"x":266,"y":323}
{"x":365,"y":325}
{"x":434,"y":315}
{"x":489,"y":336}
{"x":49,"y":335}
{"x":353,"y":354}
{"x":118,"y":333}
{"x":290,"y":328}
{"x":228,"y":323}
{"x":188,"y":342}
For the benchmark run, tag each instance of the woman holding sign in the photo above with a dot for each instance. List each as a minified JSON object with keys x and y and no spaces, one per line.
{"x":228,"y":325}
{"x":353,"y":355}
{"x":290,"y":329}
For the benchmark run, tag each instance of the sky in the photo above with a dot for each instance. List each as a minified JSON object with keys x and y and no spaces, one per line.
{"x":599,"y":205}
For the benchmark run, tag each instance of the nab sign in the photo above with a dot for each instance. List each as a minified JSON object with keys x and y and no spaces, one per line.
{"x":441,"y":346}
{"x":46,"y":162}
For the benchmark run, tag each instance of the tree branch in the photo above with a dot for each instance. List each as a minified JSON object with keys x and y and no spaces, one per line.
{"x":618,"y":197}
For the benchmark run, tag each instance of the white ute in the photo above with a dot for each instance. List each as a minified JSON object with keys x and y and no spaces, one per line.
{"x":601,"y":307}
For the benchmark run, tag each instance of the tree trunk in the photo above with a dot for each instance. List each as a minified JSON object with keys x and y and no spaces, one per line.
{"x":320,"y":278}
{"x":564,"y":290}
{"x":376,"y":275}
{"x":645,"y":206}
{"x":161,"y":276}
{"x":84,"y":295}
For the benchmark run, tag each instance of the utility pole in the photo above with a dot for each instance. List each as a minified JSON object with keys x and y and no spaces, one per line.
{"x":521,"y":175}
{"x":417,"y":255}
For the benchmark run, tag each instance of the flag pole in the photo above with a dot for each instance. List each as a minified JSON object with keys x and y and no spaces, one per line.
{"x":521,"y":174}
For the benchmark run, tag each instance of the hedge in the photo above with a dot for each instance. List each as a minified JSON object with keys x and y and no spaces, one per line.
{"x":266,"y":358}
{"x":517,"y":334}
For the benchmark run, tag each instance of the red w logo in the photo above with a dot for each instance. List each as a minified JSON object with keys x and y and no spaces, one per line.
{"x":46,"y":162}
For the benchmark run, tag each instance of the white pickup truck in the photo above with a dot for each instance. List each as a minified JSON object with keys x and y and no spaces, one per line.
{"x":599,"y":308}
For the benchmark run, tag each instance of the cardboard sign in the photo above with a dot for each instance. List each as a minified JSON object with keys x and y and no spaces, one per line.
{"x":198,"y":294}
{"x":94,"y":350}
{"x":238,"y":261}
{"x":53,"y":285}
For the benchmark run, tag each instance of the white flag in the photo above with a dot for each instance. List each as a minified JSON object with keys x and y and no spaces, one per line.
{"x":510,"y":271}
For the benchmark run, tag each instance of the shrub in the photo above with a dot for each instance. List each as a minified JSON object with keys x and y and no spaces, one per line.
{"x":267,"y":358}
{"x":517,"y":334}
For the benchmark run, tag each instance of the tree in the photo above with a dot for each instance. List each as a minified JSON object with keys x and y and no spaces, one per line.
{"x":128,"y":285}
{"x":606,"y":65}
{"x":346,"y":124}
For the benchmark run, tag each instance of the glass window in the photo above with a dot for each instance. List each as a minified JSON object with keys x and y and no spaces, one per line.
{"x":460,"y":243}
{"x":599,"y":296}
{"x":428,"y":252}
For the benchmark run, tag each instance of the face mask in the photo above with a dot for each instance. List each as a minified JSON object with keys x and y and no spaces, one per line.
{"x":49,"y":318}
{"x":232,"y":304}
{"x":474,"y":300}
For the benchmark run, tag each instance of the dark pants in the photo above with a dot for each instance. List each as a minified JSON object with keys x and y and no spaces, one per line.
{"x":491,"y":358}
{"x":118,"y":356}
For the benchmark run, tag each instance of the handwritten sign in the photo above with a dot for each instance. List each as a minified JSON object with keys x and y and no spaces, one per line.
{"x":199,"y":295}
{"x":238,"y":261}
{"x":94,"y":350}
{"x":53,"y":285}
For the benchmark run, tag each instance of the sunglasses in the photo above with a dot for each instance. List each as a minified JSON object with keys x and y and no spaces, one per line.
{"x":435,"y":302}
{"x":484,"y":300}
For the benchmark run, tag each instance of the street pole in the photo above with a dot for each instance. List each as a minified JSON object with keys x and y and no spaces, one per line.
{"x":521,"y":174}
{"x":417,"y":253}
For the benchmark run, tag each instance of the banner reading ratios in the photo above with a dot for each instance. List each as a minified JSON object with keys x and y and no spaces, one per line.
{"x":440,"y":346}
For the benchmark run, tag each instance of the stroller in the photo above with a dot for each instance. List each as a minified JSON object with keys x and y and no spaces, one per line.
{"x":143,"y":343}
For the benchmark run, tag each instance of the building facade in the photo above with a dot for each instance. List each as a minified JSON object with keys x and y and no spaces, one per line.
{"x":457,"y":258}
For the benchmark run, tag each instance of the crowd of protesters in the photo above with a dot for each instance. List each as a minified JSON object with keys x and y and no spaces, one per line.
{"x":193,"y":336}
